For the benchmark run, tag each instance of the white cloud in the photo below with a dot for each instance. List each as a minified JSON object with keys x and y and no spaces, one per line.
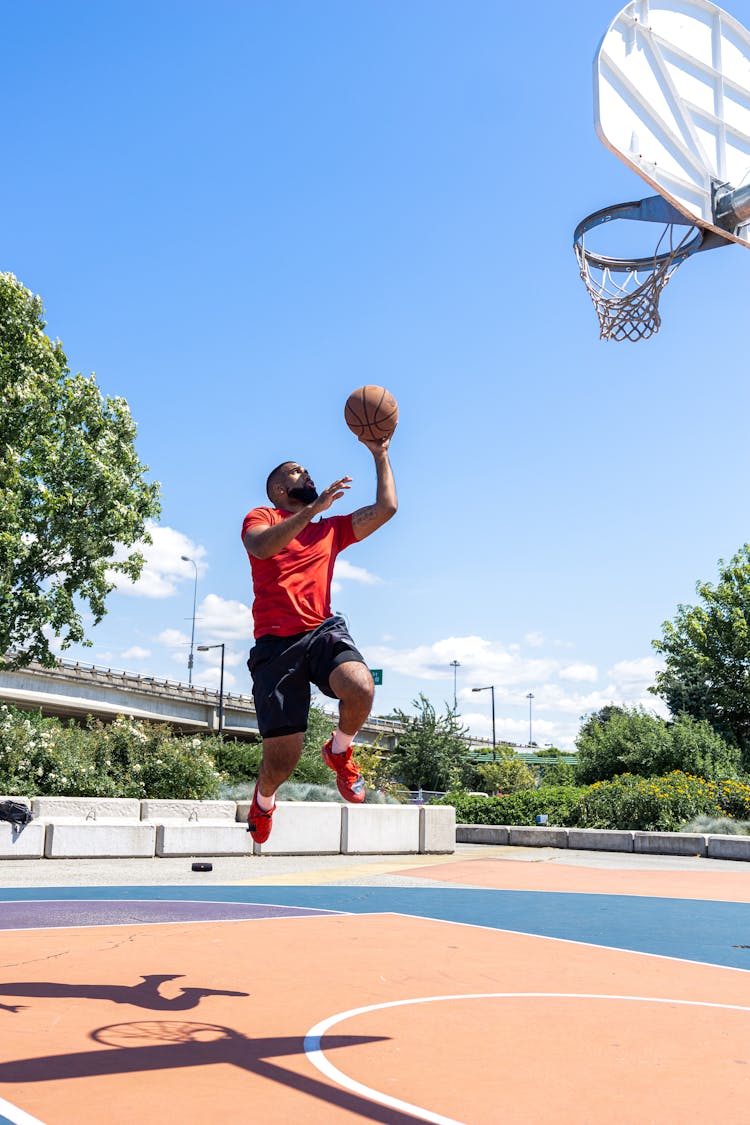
{"x":347,"y":572}
{"x":480,"y":662}
{"x":639,"y":673}
{"x":135,"y":652}
{"x":579,"y":672}
{"x":564,"y":690}
{"x":344,"y":571}
{"x":171,"y":637}
{"x":534,"y":640}
{"x":164,"y":568}
{"x":218,"y":619}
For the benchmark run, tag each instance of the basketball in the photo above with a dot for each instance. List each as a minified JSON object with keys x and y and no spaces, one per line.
{"x":371,"y":413}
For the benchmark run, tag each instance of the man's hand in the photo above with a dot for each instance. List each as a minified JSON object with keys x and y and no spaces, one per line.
{"x":378,"y":445}
{"x":334,"y":492}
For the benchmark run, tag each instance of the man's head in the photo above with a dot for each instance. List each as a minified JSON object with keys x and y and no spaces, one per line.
{"x":290,"y":487}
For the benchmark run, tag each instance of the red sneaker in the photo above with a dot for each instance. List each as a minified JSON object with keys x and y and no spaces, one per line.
{"x":259,"y":822}
{"x":349,"y":780}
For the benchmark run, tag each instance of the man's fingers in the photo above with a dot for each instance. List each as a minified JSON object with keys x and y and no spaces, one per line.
{"x":343,"y":483}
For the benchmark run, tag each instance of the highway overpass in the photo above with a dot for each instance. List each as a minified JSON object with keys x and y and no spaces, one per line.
{"x":73,"y":690}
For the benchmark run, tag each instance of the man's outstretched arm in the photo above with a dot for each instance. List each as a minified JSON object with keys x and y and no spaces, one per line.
{"x":369,"y":519}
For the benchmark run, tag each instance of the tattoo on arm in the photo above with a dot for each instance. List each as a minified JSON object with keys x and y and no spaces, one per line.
{"x":364,"y":515}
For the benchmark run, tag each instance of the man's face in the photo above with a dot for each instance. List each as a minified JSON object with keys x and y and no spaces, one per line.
{"x":300,"y":485}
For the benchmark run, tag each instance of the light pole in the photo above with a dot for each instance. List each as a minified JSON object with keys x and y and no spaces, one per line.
{"x":530,"y":696}
{"x":192,"y":634}
{"x":491,"y":688}
{"x":454,"y":666}
{"x":205,"y":648}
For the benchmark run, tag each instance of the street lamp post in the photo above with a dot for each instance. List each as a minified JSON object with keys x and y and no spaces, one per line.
{"x":530,"y":696}
{"x":205,"y":648}
{"x":192,"y":634}
{"x":454,"y":665}
{"x":491,"y":688}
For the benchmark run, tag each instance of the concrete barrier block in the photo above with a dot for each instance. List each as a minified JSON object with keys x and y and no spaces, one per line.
{"x":191,"y":811}
{"x":533,"y":836}
{"x":670,"y":843}
{"x":379,"y":829}
{"x":204,"y":838}
{"x":304,"y":828}
{"x":729,"y":847}
{"x":437,"y":829}
{"x":600,"y":839}
{"x":86,"y":808}
{"x":26,"y":844}
{"x":481,"y":834}
{"x":87,"y":839}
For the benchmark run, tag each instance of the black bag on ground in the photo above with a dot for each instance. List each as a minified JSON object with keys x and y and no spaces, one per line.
{"x":16,"y":812}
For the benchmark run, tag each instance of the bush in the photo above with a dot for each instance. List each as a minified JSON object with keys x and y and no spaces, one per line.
{"x":618,"y":740}
{"x":661,"y":804}
{"x":237,"y":762}
{"x":559,"y":773}
{"x":560,"y":804}
{"x":508,"y":774}
{"x":717,"y":826}
{"x":41,"y":757}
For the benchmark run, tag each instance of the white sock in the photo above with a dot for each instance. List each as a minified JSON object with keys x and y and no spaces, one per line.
{"x":341,"y":741}
{"x":266,"y":803}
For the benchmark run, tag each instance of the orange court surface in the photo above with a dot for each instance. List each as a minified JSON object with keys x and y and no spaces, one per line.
{"x":495,"y":985}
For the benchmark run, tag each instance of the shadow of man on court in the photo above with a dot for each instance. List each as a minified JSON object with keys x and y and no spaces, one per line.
{"x":146,"y":994}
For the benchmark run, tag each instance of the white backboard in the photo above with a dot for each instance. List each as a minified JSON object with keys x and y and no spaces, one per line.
{"x":672,"y":100}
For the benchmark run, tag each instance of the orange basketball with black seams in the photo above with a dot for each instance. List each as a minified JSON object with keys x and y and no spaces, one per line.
{"x":371,"y":412}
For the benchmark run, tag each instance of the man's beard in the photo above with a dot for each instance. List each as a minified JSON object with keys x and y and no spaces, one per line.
{"x":306,"y":493}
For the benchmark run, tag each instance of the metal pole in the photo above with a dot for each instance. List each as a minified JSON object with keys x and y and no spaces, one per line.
{"x":490,"y":688}
{"x":221,"y":696}
{"x":192,"y":634}
{"x":732,"y":207}
{"x":454,"y":665}
{"x":530,"y":696}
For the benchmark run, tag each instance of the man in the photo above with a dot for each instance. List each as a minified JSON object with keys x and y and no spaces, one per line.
{"x":297,"y":640}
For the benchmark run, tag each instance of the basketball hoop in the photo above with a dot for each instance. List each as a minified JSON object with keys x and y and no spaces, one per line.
{"x":626,"y":291}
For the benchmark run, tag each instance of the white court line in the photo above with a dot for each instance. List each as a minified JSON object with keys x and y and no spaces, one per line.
{"x":16,"y":1115}
{"x":554,"y":937}
{"x":320,"y":1062}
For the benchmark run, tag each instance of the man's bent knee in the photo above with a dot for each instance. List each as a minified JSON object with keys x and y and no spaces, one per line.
{"x":352,"y":680}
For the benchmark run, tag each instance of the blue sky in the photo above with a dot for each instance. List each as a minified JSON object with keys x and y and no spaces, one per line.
{"x":237,"y":213}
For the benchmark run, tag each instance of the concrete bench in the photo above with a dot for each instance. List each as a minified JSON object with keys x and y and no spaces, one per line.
{"x":380,"y":829}
{"x":94,"y":828}
{"x":299,"y":828}
{"x":196,"y":828}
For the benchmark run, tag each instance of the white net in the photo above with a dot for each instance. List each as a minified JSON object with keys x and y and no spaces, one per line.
{"x":626,"y":294}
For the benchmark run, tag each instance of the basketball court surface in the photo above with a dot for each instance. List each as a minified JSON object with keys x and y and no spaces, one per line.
{"x":494,"y":985}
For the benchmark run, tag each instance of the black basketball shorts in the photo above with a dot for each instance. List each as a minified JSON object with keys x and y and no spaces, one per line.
{"x":283,"y":668}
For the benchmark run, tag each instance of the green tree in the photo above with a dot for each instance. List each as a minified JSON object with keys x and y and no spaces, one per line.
{"x":635,"y":742}
{"x":432,"y":750}
{"x":706,"y":648}
{"x":73,"y":499}
{"x":508,"y":774}
{"x":558,"y":773}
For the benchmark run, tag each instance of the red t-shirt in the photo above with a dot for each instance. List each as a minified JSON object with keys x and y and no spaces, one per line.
{"x":293,"y":588}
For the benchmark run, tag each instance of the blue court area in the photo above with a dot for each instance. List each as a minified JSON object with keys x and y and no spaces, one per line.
{"x":708,"y":932}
